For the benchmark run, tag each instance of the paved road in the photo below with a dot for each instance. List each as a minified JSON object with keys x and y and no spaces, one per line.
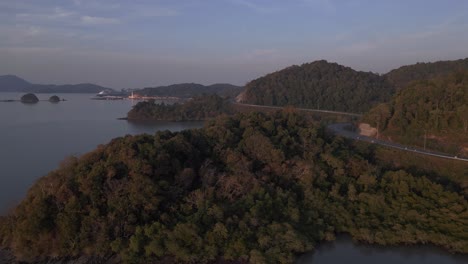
{"x":301,"y":109}
{"x":339,"y":129}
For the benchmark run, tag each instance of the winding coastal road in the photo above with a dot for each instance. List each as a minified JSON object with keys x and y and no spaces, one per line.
{"x":339,"y":129}
{"x":300,"y":109}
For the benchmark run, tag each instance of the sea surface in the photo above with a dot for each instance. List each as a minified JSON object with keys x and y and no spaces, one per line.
{"x":344,"y":250}
{"x":34,"y":139}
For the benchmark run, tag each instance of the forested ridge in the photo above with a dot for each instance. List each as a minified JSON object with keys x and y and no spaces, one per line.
{"x":199,"y":108}
{"x":189,"y":90}
{"x":330,"y":86}
{"x":436,"y":109}
{"x":404,"y":75}
{"x":319,"y":85}
{"x":251,"y":187}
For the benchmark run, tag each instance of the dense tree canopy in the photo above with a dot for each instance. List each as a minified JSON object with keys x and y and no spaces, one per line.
{"x":189,"y":90}
{"x":320,"y":85}
{"x":29,"y":98}
{"x":198,"y":108}
{"x":435,"y":108}
{"x":252,"y":187}
{"x":404,"y":75}
{"x":54,"y":99}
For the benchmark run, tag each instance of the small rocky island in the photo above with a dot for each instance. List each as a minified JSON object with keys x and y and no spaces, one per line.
{"x":54,"y":99}
{"x":29,"y":98}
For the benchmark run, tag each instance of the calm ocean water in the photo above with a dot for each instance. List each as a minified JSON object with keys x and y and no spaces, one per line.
{"x":344,"y":250}
{"x":34,"y":139}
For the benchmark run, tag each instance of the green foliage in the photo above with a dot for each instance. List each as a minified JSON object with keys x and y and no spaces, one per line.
{"x":403,"y":76}
{"x":252,"y":187}
{"x":189,"y":90}
{"x":29,"y":98}
{"x":319,"y":85}
{"x":198,"y":108}
{"x":54,"y":99}
{"x":435,"y":108}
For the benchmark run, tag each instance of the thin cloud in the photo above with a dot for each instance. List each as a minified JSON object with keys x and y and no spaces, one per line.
{"x":267,"y":8}
{"x":57,"y":14}
{"x":34,"y":31}
{"x":130,"y":10}
{"x":93,"y":20}
{"x":324,"y":5}
{"x":82,"y":12}
{"x":148,"y":12}
{"x":264,"y":52}
{"x":96,"y":5}
{"x":19,"y":34}
{"x":258,"y":55}
{"x":359,"y":48}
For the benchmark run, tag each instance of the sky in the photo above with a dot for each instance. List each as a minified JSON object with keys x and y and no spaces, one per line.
{"x":141,"y":43}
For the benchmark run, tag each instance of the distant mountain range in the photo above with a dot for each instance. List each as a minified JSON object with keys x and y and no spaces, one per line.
{"x":318,"y":84}
{"x":188,"y":90}
{"x":12,"y":83}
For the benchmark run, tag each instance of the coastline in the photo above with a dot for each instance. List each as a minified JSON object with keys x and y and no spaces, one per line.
{"x":7,"y":257}
{"x":150,"y":120}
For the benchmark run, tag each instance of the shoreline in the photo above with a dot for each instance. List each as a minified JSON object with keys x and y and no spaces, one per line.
{"x":322,"y":248}
{"x":15,"y":100}
{"x":144,"y":120}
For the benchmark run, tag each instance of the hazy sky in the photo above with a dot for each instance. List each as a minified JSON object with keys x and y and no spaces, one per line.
{"x":137,"y":43}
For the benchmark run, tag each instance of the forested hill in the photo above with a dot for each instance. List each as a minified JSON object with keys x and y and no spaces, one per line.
{"x":404,"y":75}
{"x":319,"y":85}
{"x":249,"y":188}
{"x":12,"y":83}
{"x":435,"y":108}
{"x":188,"y":90}
{"x":199,"y":108}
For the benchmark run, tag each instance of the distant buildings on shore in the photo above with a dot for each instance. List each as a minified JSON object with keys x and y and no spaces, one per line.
{"x":112,"y":95}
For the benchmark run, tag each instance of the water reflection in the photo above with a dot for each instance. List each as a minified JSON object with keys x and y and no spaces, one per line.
{"x":344,"y":250}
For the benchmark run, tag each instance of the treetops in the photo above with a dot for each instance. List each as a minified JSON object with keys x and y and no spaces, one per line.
{"x":251,"y":187}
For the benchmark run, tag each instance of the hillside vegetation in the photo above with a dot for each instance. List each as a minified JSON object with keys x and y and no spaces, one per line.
{"x":198,"y":108}
{"x":436,"y":109}
{"x":29,"y":98}
{"x":188,"y":90}
{"x":330,"y":86}
{"x":251,"y":188}
{"x":404,"y":75}
{"x":319,"y":85}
